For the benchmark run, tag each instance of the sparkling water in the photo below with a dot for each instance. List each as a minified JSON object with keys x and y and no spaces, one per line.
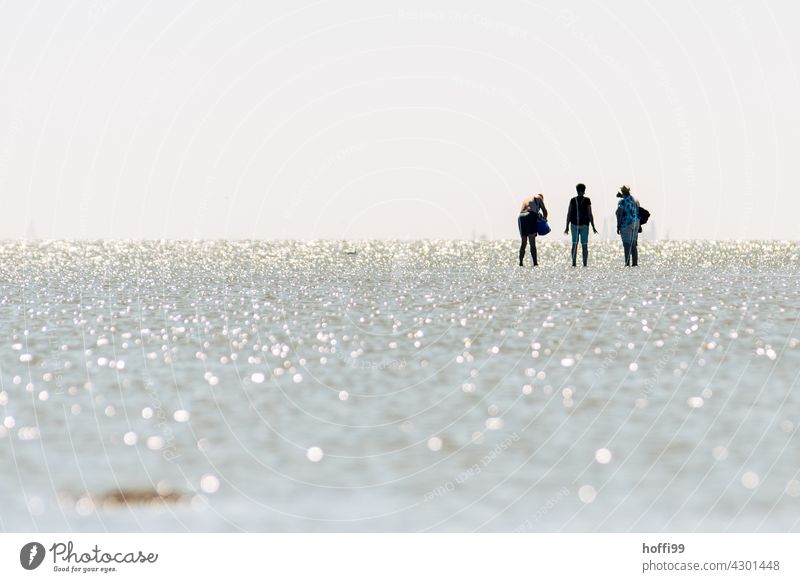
{"x":385,"y":386}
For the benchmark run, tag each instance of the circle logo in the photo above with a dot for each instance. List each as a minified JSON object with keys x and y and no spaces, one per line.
{"x":31,"y":555}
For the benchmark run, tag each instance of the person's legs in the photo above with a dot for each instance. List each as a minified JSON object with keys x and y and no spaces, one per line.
{"x":532,"y":240}
{"x":574,"y":230}
{"x":635,"y":246}
{"x":629,"y":233}
{"x":626,"y":245}
{"x":584,"y":244}
{"x":522,"y":249}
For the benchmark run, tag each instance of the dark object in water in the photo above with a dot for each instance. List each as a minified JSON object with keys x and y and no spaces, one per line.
{"x":350,"y":252}
{"x":131,"y":497}
{"x":139,"y":496}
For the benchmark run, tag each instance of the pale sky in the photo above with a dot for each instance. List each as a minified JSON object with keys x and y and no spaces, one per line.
{"x":365,"y":119}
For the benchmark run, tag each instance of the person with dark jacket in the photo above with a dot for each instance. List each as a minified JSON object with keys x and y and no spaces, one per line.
{"x":533,"y":210}
{"x":628,"y":225}
{"x":579,"y":217}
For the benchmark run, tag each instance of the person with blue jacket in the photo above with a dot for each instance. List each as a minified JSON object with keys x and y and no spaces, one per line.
{"x":628,"y":225}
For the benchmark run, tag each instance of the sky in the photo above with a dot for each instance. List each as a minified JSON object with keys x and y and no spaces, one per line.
{"x":365,"y":119}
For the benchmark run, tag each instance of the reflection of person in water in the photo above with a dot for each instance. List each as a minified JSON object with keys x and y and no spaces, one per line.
{"x":579,"y":217}
{"x":533,"y":210}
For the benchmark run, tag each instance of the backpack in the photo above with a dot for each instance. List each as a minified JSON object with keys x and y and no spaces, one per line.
{"x":644,"y":215}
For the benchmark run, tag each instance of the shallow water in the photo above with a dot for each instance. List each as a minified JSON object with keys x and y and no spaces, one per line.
{"x":374,"y":386}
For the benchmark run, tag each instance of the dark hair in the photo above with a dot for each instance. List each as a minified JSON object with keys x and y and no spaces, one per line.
{"x":580,"y":188}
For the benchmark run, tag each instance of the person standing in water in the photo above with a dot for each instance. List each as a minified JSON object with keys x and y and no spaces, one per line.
{"x":533,"y":210}
{"x":628,"y":225}
{"x":579,"y":217}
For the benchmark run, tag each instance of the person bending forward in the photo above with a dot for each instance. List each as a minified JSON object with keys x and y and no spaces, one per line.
{"x":533,"y":210}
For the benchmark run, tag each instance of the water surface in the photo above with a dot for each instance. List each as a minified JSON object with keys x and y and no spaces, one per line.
{"x":407,"y":386}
